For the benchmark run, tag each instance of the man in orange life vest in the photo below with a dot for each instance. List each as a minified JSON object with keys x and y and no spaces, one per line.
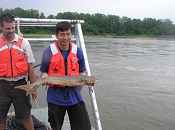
{"x":63,"y":58}
{"x":16,"y":60}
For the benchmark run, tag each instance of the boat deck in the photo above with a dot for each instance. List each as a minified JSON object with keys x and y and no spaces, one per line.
{"x":41,"y":114}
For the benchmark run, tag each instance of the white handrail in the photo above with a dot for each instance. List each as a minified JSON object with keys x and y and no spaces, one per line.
{"x":37,"y":25}
{"x":47,"y":20}
{"x":91,"y":89}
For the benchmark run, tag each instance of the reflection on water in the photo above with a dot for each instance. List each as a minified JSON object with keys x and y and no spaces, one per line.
{"x":135,"y":82}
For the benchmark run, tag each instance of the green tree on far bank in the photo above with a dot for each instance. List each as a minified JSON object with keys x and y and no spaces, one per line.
{"x":100,"y":24}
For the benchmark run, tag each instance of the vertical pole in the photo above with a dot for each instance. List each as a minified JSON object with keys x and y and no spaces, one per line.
{"x":18,"y":27}
{"x":91,"y":89}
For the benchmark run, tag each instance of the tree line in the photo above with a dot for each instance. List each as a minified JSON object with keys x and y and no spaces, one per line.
{"x":100,"y":24}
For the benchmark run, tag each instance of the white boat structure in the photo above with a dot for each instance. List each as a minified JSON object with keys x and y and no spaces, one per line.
{"x":78,"y":35}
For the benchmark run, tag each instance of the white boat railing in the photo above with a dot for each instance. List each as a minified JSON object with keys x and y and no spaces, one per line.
{"x":47,"y":20}
{"x":91,"y":89}
{"x":31,"y":22}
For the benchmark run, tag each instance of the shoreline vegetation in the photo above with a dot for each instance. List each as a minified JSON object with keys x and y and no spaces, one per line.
{"x":106,"y":36}
{"x":99,"y":24}
{"x":97,"y":36}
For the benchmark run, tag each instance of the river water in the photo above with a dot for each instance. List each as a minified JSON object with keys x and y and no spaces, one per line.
{"x":135,"y":86}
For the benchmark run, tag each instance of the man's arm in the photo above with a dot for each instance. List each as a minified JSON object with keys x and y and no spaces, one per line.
{"x":83,"y":73}
{"x":45,"y":62}
{"x":30,"y":59}
{"x":32,"y":75}
{"x":81,"y":61}
{"x":32,"y":78}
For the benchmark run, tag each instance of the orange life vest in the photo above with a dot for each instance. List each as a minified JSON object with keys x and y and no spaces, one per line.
{"x":59,"y":67}
{"x":13,"y":61}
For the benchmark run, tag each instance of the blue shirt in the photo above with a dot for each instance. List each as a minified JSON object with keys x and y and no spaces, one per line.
{"x":62,"y":96}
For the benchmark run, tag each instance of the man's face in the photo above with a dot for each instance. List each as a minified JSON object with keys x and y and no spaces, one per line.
{"x":64,"y":38}
{"x":8,"y":29}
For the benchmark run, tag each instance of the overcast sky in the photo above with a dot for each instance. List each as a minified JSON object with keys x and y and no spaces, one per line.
{"x":160,"y":9}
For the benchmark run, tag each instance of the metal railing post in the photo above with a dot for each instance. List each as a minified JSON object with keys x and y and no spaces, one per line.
{"x":18,"y":27}
{"x":91,"y":89}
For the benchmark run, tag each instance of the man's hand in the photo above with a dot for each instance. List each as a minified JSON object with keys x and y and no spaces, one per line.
{"x":34,"y":97}
{"x":44,"y":75}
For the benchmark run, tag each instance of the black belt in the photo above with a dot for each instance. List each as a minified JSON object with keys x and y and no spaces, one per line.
{"x":13,"y":82}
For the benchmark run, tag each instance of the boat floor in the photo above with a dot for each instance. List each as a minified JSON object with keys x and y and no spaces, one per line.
{"x":41,"y":114}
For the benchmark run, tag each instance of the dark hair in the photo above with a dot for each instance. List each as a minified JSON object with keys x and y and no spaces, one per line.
{"x":7,"y":18}
{"x":62,"y":26}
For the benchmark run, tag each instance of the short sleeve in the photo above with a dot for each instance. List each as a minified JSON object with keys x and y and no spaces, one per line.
{"x":81,"y":60}
{"x":28,"y":51}
{"x":45,"y":60}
